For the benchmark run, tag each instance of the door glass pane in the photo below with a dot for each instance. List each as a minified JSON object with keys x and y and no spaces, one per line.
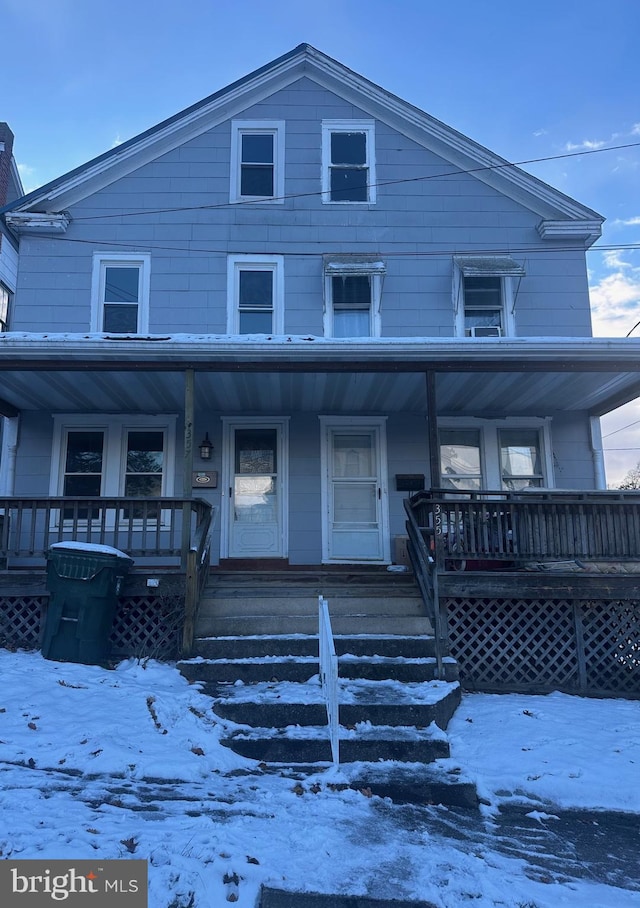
{"x":256,"y":451}
{"x":255,"y":499}
{"x":355,"y":502}
{"x":353,"y":456}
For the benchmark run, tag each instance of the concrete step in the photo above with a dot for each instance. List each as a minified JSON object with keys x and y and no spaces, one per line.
{"x":208,"y":625}
{"x":302,"y":668}
{"x":310,"y":744}
{"x":414,"y":647}
{"x":391,"y":703}
{"x":296,"y":604}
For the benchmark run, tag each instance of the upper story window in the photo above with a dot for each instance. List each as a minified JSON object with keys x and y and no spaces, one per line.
{"x":5,"y":307}
{"x":484,"y":295}
{"x":348,"y":161}
{"x":255,"y":294}
{"x":257,"y":161}
{"x":120,"y":293}
{"x":353,"y":289}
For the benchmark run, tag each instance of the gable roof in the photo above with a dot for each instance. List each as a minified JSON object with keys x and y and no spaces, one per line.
{"x":562,"y":216}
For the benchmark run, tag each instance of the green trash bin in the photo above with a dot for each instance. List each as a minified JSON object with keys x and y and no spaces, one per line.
{"x":84,"y":581}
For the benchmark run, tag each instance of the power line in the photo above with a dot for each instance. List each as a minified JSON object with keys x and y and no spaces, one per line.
{"x":420,"y":179}
{"x":622,"y":428}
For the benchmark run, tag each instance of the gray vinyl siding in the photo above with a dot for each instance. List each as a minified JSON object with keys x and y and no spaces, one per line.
{"x":416,"y":225}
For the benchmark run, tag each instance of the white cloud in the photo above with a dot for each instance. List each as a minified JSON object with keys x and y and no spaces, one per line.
{"x":117,"y":141}
{"x":626,"y":222}
{"x":615,"y":302}
{"x":540,"y":132}
{"x":27,"y":175}
{"x":586,"y":145}
{"x":635,"y":131}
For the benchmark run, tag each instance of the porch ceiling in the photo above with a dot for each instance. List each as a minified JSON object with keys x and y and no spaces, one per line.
{"x":493,"y":377}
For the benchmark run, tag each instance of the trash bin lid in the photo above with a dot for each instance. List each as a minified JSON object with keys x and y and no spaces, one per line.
{"x":94,"y":548}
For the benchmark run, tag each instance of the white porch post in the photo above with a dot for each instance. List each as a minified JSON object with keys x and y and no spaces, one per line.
{"x":8,"y":454}
{"x":598,"y":453}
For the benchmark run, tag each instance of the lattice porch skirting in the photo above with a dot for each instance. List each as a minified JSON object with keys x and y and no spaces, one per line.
{"x":536,"y":645}
{"x":145,"y":625}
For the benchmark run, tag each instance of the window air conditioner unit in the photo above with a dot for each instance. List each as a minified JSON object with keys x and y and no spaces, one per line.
{"x":486,"y":331}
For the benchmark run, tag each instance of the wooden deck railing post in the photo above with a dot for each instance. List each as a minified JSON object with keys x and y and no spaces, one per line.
{"x":191,"y":590}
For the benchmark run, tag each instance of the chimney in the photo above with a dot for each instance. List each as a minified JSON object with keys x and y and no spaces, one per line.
{"x":6,"y":154}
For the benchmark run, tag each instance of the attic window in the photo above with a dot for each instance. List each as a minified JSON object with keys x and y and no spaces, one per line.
{"x":348,"y":161}
{"x":257,"y":161}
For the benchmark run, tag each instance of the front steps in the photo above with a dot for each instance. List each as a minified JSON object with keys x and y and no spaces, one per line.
{"x":265,"y":683}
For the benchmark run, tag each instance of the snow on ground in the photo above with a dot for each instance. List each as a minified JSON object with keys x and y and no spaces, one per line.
{"x":127,"y":763}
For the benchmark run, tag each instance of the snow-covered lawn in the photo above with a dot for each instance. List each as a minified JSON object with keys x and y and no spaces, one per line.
{"x":127,"y":763}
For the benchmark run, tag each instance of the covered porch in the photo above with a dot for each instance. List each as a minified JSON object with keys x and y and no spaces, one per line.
{"x":190,"y":387}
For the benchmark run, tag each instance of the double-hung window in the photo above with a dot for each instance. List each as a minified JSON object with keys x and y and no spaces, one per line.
{"x":353,"y":289}
{"x":5,"y":306}
{"x":487,"y":455}
{"x":257,"y":161}
{"x":348,"y":161}
{"x":484,"y":294}
{"x":120,"y":293}
{"x":520,"y":459}
{"x":120,"y":456}
{"x":460,"y":459}
{"x":255,"y":294}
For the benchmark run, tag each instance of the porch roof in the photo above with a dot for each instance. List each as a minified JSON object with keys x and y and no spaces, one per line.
{"x":528,"y":376}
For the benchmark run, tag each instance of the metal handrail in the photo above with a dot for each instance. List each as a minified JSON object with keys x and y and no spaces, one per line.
{"x":329,"y":676}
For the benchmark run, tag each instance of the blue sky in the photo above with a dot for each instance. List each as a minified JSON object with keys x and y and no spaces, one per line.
{"x":526,"y":79}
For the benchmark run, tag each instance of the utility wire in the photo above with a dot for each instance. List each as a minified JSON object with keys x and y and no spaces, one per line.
{"x":621,"y":429}
{"x":424,"y":178}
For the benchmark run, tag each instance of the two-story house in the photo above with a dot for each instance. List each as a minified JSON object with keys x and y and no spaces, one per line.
{"x":300,"y":300}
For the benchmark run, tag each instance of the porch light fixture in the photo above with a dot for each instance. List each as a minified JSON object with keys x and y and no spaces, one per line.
{"x":206,"y":448}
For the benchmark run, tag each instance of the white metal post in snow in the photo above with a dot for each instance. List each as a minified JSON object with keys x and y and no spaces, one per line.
{"x":329,"y":676}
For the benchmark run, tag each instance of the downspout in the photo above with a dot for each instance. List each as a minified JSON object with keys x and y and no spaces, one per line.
{"x":8,"y":455}
{"x":597,"y":453}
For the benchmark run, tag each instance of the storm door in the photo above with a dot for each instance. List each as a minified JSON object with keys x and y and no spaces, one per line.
{"x":256,"y":495}
{"x":355,"y":499}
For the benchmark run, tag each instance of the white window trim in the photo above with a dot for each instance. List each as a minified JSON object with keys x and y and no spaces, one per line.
{"x":331,"y":126}
{"x":490,"y":446}
{"x":115,"y":428}
{"x":375,"y":270}
{"x":238,"y":263}
{"x":103,"y":259}
{"x":276,"y":128}
{"x":508,"y":300}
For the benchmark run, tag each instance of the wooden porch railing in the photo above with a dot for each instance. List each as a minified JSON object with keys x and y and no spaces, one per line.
{"x":148,"y":529}
{"x":520,"y":527}
{"x":141,"y":527}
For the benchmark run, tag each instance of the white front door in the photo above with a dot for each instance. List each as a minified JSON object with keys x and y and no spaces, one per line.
{"x":355,"y":502}
{"x":255,"y":518}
